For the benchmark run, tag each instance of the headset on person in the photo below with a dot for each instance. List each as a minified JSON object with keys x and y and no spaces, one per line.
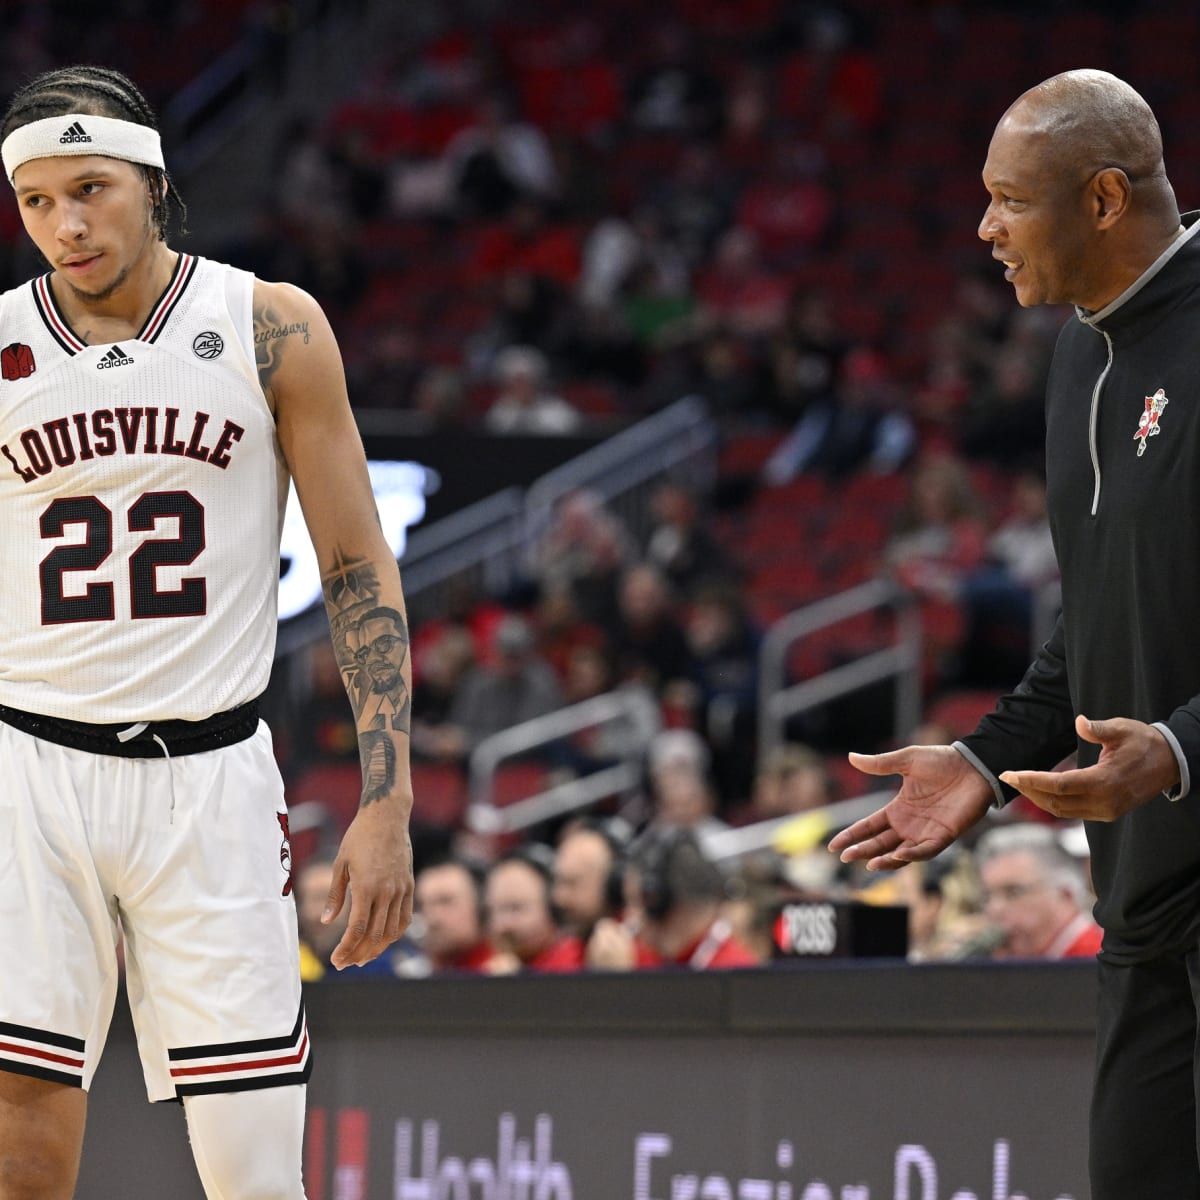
{"x":617,"y":835}
{"x":672,"y":867}
{"x":540,"y":858}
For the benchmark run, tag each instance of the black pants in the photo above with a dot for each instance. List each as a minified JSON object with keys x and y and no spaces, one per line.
{"x":1144,"y":1134}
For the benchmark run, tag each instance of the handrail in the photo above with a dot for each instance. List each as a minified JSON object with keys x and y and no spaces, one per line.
{"x":486,"y":532}
{"x":777,"y":702}
{"x":622,"y":464}
{"x":728,"y":844}
{"x":633,"y":706}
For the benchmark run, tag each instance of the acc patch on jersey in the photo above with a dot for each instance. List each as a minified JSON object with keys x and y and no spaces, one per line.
{"x":16,"y":361}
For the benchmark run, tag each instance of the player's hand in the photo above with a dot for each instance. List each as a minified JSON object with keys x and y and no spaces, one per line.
{"x":941,"y":796}
{"x":375,"y":864}
{"x":1136,"y":764}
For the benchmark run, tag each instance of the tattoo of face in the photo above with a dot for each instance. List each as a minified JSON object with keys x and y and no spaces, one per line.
{"x":371,"y":644}
{"x":271,"y":336}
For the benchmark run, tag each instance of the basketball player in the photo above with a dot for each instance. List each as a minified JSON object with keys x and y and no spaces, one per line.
{"x":152,"y":407}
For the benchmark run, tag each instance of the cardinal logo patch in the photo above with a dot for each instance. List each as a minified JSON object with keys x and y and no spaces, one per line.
{"x":1148,"y":425}
{"x":285,"y":852}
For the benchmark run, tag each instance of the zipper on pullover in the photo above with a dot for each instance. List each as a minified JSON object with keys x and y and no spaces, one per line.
{"x":1093,"y":420}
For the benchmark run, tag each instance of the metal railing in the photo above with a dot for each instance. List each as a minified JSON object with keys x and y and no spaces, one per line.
{"x":900,"y":661}
{"x":621,"y":470}
{"x":632,"y":710}
{"x":729,"y":844}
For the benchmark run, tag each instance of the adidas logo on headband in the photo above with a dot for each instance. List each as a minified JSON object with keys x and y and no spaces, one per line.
{"x":109,"y":136}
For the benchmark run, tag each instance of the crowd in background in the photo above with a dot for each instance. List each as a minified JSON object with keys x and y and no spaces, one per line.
{"x":541,"y":219}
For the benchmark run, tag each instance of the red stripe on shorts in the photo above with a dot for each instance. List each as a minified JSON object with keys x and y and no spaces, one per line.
{"x":28,"y":1051}
{"x":257,"y":1064}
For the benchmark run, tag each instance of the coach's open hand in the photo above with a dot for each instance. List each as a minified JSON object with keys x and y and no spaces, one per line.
{"x":375,"y":863}
{"x":1135,"y":765}
{"x":941,"y":797}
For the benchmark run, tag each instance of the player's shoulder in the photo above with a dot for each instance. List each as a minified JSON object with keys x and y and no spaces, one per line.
{"x":274,"y":302}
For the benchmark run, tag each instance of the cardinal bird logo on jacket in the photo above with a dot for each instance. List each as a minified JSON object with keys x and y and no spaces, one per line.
{"x":1148,"y":426}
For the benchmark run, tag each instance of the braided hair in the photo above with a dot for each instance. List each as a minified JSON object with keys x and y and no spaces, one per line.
{"x":102,"y":92}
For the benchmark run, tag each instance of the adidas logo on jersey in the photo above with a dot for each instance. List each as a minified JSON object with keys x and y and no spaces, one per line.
{"x":75,"y":133}
{"x":116,"y":357}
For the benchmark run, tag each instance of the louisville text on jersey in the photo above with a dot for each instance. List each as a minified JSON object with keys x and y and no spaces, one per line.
{"x":104,"y":432}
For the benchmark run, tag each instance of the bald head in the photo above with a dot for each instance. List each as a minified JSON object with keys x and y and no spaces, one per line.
{"x":1088,"y":120}
{"x":1080,"y":201}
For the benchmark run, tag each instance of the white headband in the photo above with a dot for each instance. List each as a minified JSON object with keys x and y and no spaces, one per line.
{"x":81,"y":133}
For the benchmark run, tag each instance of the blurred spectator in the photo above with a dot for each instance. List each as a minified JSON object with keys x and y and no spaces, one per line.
{"x":588,"y":867}
{"x":499,"y":158}
{"x":941,"y":533}
{"x":681,"y":789}
{"x":439,"y":395}
{"x":832,"y":86}
{"x":724,"y":642}
{"x":519,"y":686}
{"x":319,"y":940}
{"x":567,"y":81}
{"x":939,"y":539}
{"x":324,"y":716}
{"x":309,"y":183}
{"x":657,"y":312}
{"x":1004,"y":417}
{"x":679,"y":542}
{"x":520,"y":915}
{"x":792,"y":778}
{"x":588,"y":673}
{"x":862,"y":426}
{"x":751,"y":911}
{"x":450,"y":905}
{"x":694,"y":202}
{"x":649,"y":644}
{"x":461,"y":605}
{"x":439,"y":669}
{"x":675,"y":897}
{"x":528,"y":310}
{"x":610,"y":252}
{"x":524,"y":404}
{"x":1000,"y":595}
{"x":804,"y":360}
{"x":386,"y":372}
{"x":945,"y":918}
{"x":789,"y":208}
{"x":598,"y":343}
{"x":561,"y":628}
{"x":588,"y":547}
{"x":742,"y":289}
{"x":528,"y":243}
{"x":1035,"y":896}
{"x":675,"y":92}
{"x":589,"y":892}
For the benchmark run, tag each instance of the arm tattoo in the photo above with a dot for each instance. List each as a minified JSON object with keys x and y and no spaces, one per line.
{"x":271,"y":336}
{"x":370,"y":640}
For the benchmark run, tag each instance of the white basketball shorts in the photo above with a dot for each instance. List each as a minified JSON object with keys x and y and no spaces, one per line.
{"x":190,"y":855}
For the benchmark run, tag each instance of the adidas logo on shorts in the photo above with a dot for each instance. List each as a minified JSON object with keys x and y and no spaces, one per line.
{"x":116,"y":357}
{"x":75,"y":133}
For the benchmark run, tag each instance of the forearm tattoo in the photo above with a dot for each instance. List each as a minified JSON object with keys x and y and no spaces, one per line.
{"x":271,"y":337}
{"x":370,"y":640}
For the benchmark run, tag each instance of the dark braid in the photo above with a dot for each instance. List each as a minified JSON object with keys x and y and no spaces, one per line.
{"x":102,"y":92}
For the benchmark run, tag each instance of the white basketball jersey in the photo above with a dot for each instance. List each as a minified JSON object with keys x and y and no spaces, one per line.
{"x":142,"y":490}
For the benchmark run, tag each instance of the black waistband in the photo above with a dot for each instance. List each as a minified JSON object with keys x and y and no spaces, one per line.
{"x":179,"y":737}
